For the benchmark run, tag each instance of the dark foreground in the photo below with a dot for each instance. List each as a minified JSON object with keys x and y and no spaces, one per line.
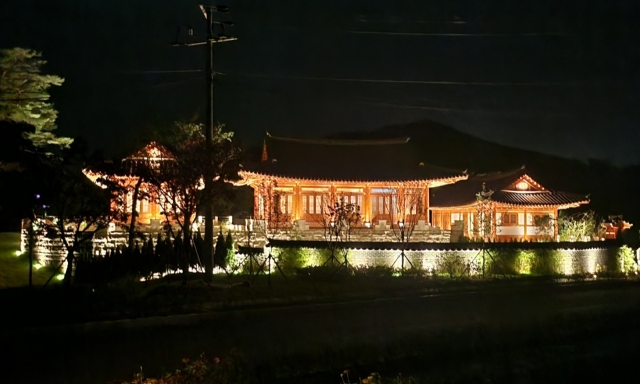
{"x":539,"y":333}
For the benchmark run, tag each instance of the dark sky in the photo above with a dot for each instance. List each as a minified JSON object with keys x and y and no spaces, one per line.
{"x":556,"y":76}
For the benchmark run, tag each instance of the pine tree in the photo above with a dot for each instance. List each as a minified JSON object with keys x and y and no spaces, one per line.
{"x":24,"y":95}
{"x":228,"y":244}
{"x":220,"y":254}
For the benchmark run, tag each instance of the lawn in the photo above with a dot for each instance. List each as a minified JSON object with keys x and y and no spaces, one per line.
{"x":14,"y":270}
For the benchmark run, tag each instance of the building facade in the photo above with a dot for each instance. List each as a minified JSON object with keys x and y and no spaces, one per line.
{"x":516,"y":207}
{"x":298,"y":182}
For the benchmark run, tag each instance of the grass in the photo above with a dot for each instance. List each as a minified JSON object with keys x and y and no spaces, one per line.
{"x":14,"y":270}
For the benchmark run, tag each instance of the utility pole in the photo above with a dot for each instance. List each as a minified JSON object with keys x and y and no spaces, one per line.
{"x":208,"y":12}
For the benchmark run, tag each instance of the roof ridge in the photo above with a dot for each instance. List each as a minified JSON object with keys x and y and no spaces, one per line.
{"x":400,"y":140}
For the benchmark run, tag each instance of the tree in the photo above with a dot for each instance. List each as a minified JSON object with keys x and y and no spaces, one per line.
{"x":578,"y":226}
{"x":77,"y":207}
{"x":544,"y":226}
{"x":24,"y":95}
{"x":220,"y":254}
{"x":339,"y":218}
{"x":405,"y":208}
{"x":484,"y":213}
{"x":179,"y":184}
{"x":272,"y":216}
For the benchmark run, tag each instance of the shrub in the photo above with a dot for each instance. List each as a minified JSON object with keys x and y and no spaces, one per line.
{"x":504,"y":261}
{"x":380,"y":271}
{"x":546,"y":262}
{"x":451,"y":264}
{"x":625,"y":261}
{"x":232,"y":369}
{"x":292,"y":259}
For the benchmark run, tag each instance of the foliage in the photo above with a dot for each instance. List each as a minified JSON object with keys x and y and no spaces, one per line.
{"x":294,"y":259}
{"x":77,"y":208}
{"x":546,"y":262}
{"x":24,"y":95}
{"x":451,"y":264}
{"x":575,"y":227}
{"x":179,"y":184}
{"x":229,"y":370}
{"x":544,"y":225}
{"x":230,"y":248}
{"x":376,"y":271}
{"x":506,"y":261}
{"x":625,"y":260}
{"x":220,"y":253}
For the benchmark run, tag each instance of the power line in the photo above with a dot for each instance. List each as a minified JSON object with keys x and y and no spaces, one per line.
{"x":165,"y":71}
{"x":393,"y":81}
{"x":451,"y":34}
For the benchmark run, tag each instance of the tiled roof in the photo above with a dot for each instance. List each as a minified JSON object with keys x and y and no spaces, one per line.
{"x":544,"y":198}
{"x":346,"y":160}
{"x":463,"y":193}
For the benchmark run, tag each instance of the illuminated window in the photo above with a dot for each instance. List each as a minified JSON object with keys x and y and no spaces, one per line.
{"x":509,"y":219}
{"x":456,"y":217}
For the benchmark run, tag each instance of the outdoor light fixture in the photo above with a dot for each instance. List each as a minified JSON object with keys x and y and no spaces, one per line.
{"x":367,"y":224}
{"x":400,"y":224}
{"x":333,"y":224}
{"x":18,"y":253}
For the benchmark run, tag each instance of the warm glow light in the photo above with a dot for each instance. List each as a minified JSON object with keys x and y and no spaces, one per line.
{"x":60,"y":277}
{"x":37,"y":266}
{"x":523,"y":185}
{"x":18,"y":253}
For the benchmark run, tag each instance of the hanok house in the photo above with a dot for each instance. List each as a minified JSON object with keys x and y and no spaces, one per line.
{"x":519,"y":207}
{"x":297,"y":178}
{"x":149,"y":207}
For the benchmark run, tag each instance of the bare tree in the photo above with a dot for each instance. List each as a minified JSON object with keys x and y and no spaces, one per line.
{"x":339,"y":218}
{"x":405,"y":207}
{"x":485,"y":207}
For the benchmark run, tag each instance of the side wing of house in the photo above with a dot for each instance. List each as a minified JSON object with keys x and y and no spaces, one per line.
{"x":520,"y":208}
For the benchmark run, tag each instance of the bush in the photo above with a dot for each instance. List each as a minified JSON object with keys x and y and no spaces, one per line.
{"x":505,"y":261}
{"x":229,"y":370}
{"x":293,"y":259}
{"x":625,"y":260}
{"x":546,"y":262}
{"x":380,"y":271}
{"x":451,"y":264}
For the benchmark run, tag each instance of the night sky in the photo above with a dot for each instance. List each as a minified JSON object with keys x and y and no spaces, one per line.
{"x":555,"y":76}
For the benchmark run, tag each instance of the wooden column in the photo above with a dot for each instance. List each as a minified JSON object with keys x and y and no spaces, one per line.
{"x":425,"y":203}
{"x":555,"y":225}
{"x":366,"y":209}
{"x":297,"y":201}
{"x":526,"y":234}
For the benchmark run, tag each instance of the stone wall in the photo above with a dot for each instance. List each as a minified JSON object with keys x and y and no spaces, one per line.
{"x":569,"y":261}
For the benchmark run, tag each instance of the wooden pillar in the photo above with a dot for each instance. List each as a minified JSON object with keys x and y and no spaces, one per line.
{"x":256,"y":202}
{"x":366,"y":209}
{"x":526,"y":233}
{"x":425,"y":203}
{"x":297,"y":201}
{"x":465,"y":224}
{"x":555,"y":225}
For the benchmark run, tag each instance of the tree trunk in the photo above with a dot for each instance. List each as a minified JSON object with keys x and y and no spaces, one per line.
{"x":32,"y":243}
{"x":134,"y":213}
{"x":186,"y":254}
